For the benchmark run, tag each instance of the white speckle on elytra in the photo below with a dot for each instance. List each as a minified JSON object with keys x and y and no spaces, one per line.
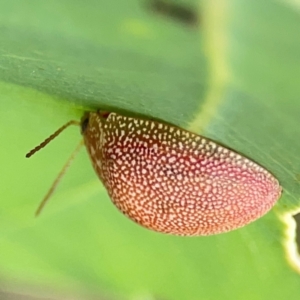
{"x":173,"y":181}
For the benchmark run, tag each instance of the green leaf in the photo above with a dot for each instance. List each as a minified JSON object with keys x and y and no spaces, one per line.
{"x":232,"y":76}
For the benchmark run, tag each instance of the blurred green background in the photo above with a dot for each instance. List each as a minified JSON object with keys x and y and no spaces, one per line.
{"x":229,"y":70}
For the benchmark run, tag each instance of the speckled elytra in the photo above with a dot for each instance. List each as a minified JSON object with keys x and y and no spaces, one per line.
{"x":171,"y":180}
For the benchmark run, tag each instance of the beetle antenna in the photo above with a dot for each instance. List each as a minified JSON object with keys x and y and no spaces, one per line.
{"x":58,"y":178}
{"x":51,"y":137}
